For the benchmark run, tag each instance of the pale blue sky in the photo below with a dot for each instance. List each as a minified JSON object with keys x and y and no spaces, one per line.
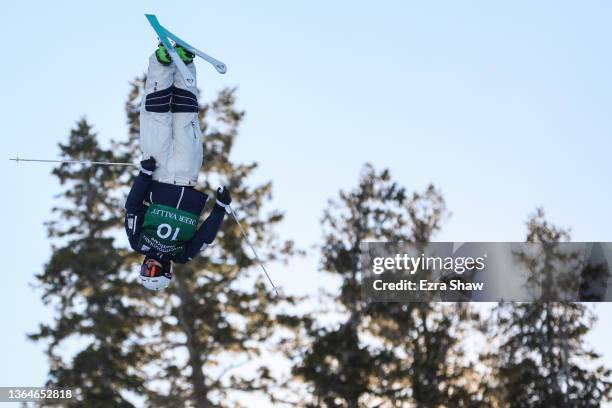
{"x":504,"y":106}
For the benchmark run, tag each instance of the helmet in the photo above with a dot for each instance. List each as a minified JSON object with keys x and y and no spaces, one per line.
{"x":154,"y":274}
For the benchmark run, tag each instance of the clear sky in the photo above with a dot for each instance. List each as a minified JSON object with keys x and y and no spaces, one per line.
{"x":505,"y":106}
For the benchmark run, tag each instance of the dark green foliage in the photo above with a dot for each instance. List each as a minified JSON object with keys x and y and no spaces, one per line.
{"x":541,"y":357}
{"x":85,"y":282}
{"x":418,"y":359}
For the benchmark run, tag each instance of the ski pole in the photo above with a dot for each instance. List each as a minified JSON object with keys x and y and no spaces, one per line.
{"x":253,"y":249}
{"x":17,"y":159}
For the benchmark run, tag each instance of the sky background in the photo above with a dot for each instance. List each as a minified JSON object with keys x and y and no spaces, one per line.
{"x":503,"y":106}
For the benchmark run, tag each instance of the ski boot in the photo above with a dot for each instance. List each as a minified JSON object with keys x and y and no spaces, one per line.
{"x":163,"y":56}
{"x":186,"y":55}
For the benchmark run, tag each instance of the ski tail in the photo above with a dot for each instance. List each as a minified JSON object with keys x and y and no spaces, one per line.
{"x":219,"y":66}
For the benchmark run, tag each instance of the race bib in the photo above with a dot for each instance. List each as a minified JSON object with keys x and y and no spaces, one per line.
{"x":167,"y":229}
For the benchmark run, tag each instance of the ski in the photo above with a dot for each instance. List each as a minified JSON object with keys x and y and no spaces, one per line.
{"x":219,"y":66}
{"x":166,"y":35}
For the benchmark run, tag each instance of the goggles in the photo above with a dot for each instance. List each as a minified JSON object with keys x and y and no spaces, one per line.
{"x":151,"y":268}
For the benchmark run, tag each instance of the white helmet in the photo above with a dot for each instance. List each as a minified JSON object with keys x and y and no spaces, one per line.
{"x":154,"y":275}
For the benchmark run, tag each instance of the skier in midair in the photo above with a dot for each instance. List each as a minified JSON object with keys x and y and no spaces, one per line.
{"x":163,"y":207}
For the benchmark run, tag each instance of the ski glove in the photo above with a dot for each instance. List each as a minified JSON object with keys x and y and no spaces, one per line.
{"x":223,"y":198}
{"x":148,"y":166}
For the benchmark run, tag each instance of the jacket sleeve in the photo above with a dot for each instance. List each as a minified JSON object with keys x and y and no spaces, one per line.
{"x":135,"y":209}
{"x":137,"y":194}
{"x":204,"y":236}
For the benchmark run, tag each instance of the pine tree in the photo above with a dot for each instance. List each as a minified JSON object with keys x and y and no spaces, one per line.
{"x":541,"y":359}
{"x":418,"y":362}
{"x":85,"y":283}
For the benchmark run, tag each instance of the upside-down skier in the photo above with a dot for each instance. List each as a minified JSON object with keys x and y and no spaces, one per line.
{"x":163,"y":207}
